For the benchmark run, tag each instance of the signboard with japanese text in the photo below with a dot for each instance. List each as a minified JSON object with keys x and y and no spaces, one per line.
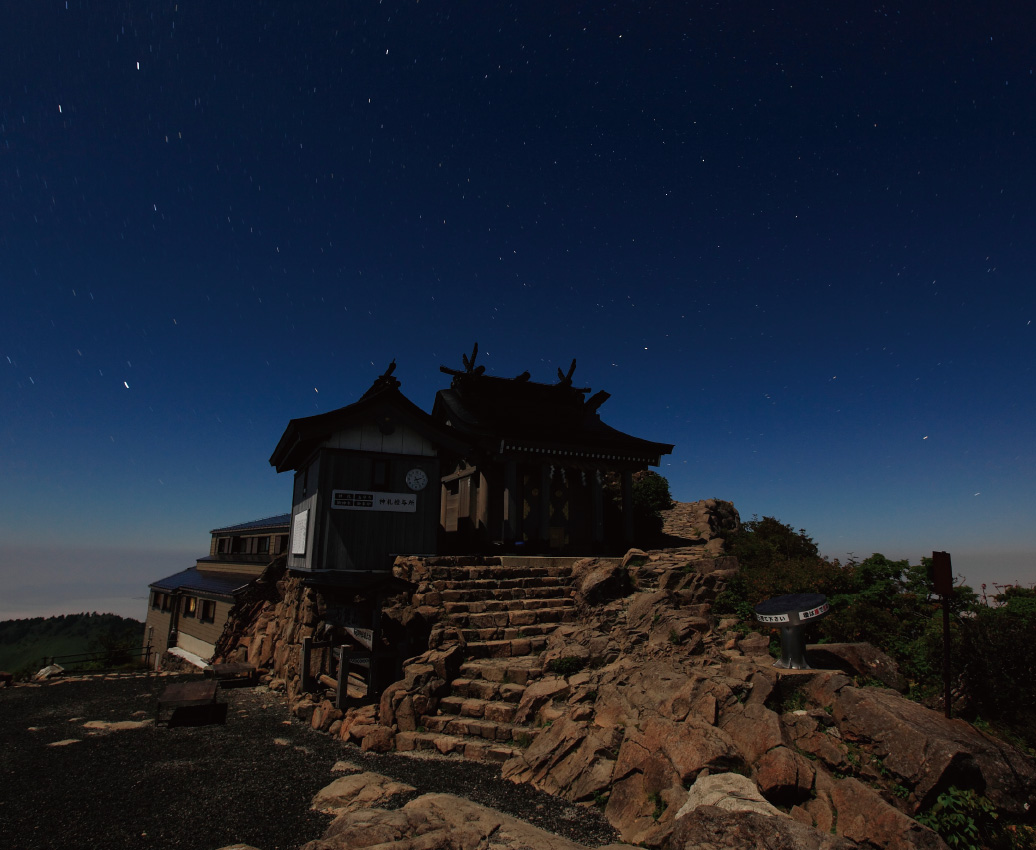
{"x":359,"y":500}
{"x":300,"y":524}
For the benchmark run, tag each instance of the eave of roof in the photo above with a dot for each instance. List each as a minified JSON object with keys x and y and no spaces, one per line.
{"x":220,"y":584}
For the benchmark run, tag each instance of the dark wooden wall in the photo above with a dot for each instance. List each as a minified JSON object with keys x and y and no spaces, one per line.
{"x":364,"y":540}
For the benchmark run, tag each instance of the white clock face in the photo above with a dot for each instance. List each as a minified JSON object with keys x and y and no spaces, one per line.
{"x":416,"y":479}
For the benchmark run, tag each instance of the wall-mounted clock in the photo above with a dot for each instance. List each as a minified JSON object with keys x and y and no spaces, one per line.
{"x":416,"y":479}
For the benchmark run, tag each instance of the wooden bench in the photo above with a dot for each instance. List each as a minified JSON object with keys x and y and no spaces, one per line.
{"x":196,"y":699}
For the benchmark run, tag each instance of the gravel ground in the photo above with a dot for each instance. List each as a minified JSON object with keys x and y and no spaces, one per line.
{"x":203,"y":787}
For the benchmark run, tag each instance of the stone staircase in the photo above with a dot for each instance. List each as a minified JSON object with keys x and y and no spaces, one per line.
{"x":502,"y":615}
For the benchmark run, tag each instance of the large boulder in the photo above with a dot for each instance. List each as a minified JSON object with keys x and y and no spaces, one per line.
{"x":715,"y":828}
{"x":595,"y":581}
{"x":864,"y":817}
{"x":358,"y":791}
{"x":927,"y":751}
{"x":857,"y":659}
{"x":436,"y":821}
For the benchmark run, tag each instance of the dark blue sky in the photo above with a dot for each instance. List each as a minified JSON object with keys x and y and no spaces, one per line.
{"x":797,"y":243}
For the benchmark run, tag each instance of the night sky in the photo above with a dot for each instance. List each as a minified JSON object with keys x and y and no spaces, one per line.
{"x":796,"y":243}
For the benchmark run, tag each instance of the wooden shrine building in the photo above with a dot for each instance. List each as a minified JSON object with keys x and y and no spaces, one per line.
{"x":500,"y":465}
{"x":543,"y":473}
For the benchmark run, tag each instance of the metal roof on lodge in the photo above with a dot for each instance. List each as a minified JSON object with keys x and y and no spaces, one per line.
{"x":222,"y":584}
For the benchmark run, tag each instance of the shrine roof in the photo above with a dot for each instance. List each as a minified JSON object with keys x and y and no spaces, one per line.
{"x":304,"y":435}
{"x":519,"y":415}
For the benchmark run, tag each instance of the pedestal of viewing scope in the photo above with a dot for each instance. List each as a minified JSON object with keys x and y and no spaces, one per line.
{"x":792,"y":612}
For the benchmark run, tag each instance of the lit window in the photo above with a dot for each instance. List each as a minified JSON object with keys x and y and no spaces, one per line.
{"x":190,"y":606}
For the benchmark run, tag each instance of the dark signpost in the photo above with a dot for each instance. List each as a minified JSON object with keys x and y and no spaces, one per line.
{"x":941,"y":575}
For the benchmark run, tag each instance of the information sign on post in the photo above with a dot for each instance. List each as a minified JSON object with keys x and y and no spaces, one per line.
{"x":942,"y":573}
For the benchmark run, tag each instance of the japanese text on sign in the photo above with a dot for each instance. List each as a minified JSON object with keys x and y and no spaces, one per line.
{"x":353,"y":500}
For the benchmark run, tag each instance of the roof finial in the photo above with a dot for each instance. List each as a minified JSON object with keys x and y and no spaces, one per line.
{"x":469,"y":365}
{"x":566,"y":380}
{"x":384,"y":381}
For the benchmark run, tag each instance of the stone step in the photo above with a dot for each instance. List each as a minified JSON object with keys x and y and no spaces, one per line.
{"x":508,"y":648}
{"x":491,"y":634}
{"x":496,"y":583}
{"x":502,"y":671}
{"x":440,"y":573}
{"x":475,"y":727}
{"x":473,"y":749}
{"x":524,"y":617}
{"x":474,"y":707}
{"x":479,"y":594}
{"x":518,"y":604}
{"x":487,"y":690}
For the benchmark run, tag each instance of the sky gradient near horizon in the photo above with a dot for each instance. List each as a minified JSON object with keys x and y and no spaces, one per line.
{"x":797,"y":244}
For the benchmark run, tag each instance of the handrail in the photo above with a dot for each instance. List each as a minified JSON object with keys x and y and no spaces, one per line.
{"x":80,"y":658}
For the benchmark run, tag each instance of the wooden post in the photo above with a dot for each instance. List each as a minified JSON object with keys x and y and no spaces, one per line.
{"x":342,"y":692}
{"x":545,"y":485}
{"x":942,"y":581}
{"x":304,"y":672}
{"x":627,"y":507}
{"x":510,"y":502}
{"x":596,"y":508}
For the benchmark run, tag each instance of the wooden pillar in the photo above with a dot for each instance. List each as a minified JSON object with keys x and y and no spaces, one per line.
{"x":304,"y":672}
{"x":596,"y":508}
{"x":510,"y":502}
{"x":627,"y":507}
{"x":545,"y":483}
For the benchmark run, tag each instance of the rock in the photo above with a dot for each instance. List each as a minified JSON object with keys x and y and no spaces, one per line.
{"x":866,"y":818}
{"x":537,"y":694}
{"x":596,"y":582}
{"x":101,"y":727}
{"x":753,"y":728}
{"x":358,"y":791}
{"x":784,"y":777}
{"x":857,"y":659}
{"x":754,"y":645}
{"x":730,"y":792}
{"x":51,"y":671}
{"x":927,"y":752}
{"x":435,"y":821}
{"x":379,"y":739}
{"x":714,"y":828}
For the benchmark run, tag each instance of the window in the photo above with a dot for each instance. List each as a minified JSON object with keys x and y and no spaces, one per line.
{"x":190,"y":606}
{"x":156,"y":600}
{"x":208,"y":611}
{"x":264,"y":545}
{"x":221,"y":545}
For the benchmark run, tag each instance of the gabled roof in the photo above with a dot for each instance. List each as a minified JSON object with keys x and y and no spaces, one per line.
{"x":516,"y":414}
{"x":381,"y":402}
{"x":223,"y":584}
{"x":271,"y":522}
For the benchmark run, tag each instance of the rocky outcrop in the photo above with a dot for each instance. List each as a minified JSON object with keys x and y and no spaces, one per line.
{"x":611,"y":683}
